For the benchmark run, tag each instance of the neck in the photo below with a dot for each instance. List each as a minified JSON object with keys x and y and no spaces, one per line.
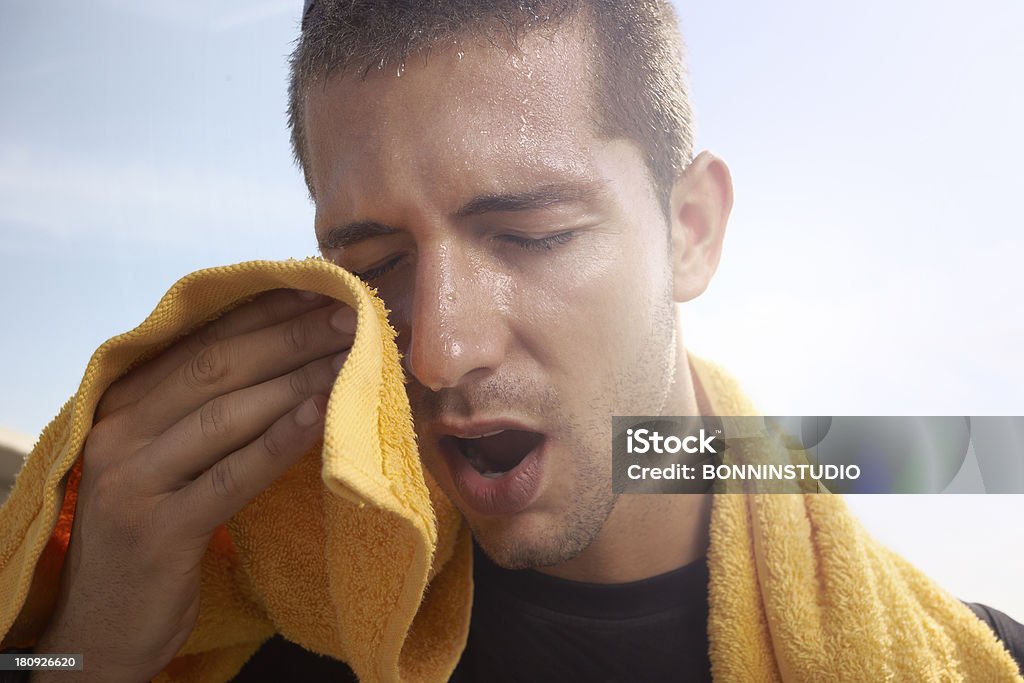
{"x":650,"y":534}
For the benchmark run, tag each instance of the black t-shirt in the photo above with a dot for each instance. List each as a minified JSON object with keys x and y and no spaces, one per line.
{"x":527,"y":626}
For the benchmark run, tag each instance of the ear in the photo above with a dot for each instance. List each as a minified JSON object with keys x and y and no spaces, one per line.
{"x":700,"y":205}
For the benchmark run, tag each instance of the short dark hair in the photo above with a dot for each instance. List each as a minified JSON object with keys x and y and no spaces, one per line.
{"x":641,"y":91}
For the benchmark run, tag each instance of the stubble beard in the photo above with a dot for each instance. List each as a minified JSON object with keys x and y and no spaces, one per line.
{"x":640,"y":387}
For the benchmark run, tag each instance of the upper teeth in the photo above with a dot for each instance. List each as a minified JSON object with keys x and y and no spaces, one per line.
{"x":480,"y":436}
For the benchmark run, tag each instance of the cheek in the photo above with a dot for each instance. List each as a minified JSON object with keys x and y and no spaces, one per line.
{"x":594,"y":308}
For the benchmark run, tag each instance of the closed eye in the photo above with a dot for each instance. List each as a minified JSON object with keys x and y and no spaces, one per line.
{"x":378,"y":271}
{"x":539,"y":243}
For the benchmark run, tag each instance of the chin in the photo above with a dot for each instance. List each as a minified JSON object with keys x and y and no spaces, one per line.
{"x":515,"y":551}
{"x":528,"y":541}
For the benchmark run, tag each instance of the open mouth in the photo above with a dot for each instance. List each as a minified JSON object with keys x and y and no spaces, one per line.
{"x":497,"y":453}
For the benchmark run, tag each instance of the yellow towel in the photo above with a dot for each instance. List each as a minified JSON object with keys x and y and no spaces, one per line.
{"x":338,"y":554}
{"x":800,"y":592}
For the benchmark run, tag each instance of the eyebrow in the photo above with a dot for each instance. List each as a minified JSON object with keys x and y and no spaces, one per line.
{"x":542,"y":197}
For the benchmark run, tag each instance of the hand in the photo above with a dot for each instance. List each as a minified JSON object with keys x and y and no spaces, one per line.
{"x":180,"y":445}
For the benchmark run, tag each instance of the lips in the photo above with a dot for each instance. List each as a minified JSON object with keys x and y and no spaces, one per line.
{"x":495,"y":471}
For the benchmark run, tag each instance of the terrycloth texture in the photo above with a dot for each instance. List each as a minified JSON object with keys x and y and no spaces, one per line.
{"x":800,"y":592}
{"x":337,"y":555}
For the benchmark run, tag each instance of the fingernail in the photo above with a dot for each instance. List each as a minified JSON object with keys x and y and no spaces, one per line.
{"x":307,"y":296}
{"x":344,"y":320}
{"x":308,"y":413}
{"x":338,"y":361}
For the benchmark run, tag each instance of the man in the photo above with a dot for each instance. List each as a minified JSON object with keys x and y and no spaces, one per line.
{"x":517,"y":181}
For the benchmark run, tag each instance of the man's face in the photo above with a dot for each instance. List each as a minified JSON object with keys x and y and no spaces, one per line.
{"x":526,"y":264}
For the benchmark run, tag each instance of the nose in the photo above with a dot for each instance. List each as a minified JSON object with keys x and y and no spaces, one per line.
{"x":456,"y":330}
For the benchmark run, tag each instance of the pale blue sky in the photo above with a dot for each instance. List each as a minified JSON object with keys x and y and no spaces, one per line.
{"x":872,"y":264}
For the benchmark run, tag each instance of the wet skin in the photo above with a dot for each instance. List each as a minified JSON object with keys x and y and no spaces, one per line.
{"x":530,"y":274}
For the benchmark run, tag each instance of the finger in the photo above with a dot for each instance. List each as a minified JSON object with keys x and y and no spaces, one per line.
{"x":243,"y":361}
{"x":233,"y":481}
{"x":265,"y":310}
{"x":225,"y":424}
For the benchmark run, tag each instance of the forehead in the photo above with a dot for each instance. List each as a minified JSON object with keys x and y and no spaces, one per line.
{"x":473,"y":107}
